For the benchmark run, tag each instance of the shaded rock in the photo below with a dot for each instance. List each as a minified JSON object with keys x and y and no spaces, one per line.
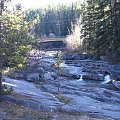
{"x":95,"y":69}
{"x":84,"y":103}
{"x":47,"y":76}
{"x":49,"y":88}
{"x":116,"y":84}
{"x":32,"y":77}
{"x":65,"y":73}
{"x":85,"y":69}
{"x":46,"y":66}
{"x":118,"y":77}
{"x":103,"y":58}
{"x":54,"y":75}
{"x":75,"y":76}
{"x":75,"y":56}
{"x":19,"y":76}
{"x":41,"y":71}
{"x":71,"y":71}
{"x":93,"y":77}
{"x":69,"y":75}
{"x":115,"y":70}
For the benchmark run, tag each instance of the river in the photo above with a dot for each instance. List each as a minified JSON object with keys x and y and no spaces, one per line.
{"x":91,"y":96}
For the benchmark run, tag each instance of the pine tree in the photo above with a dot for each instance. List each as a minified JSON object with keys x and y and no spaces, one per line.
{"x":101,"y":28}
{"x":14,"y":38}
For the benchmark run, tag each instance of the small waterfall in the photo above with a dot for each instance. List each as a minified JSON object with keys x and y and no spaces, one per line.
{"x":63,"y":65}
{"x":81,"y":78}
{"x":107,"y":79}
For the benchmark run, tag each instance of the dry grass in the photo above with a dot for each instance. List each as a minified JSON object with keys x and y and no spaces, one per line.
{"x":10,"y":111}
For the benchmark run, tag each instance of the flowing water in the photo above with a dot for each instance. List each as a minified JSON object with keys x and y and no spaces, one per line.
{"x":107,"y":79}
{"x":94,"y":97}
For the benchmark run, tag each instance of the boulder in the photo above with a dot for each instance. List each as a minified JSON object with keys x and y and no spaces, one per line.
{"x":67,"y":73}
{"x":32,"y":77}
{"x":47,"y":76}
{"x":46,"y":66}
{"x":75,"y":76}
{"x":93,"y":77}
{"x":19,"y":76}
{"x":54,"y":75}
{"x":116,"y":84}
{"x":118,"y":77}
{"x":41,"y":71}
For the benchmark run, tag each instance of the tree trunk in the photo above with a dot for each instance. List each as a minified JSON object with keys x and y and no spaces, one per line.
{"x":0,"y":85}
{"x":1,"y":8}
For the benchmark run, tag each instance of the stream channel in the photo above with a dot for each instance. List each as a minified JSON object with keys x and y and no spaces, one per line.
{"x":77,"y":94}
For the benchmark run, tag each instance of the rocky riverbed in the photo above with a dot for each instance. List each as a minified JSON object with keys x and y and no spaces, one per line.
{"x":77,"y":86}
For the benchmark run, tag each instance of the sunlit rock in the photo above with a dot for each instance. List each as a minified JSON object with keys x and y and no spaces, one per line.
{"x":116,"y":84}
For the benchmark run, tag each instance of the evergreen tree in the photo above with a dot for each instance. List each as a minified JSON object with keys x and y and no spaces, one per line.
{"x":101,"y":28}
{"x":14,"y":38}
{"x":54,"y":19}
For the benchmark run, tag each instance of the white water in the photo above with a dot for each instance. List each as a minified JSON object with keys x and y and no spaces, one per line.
{"x":63,"y":65}
{"x":107,"y":79}
{"x":71,"y":69}
{"x":81,"y":78}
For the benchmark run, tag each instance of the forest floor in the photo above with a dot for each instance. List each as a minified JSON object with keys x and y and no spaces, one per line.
{"x":11,"y":111}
